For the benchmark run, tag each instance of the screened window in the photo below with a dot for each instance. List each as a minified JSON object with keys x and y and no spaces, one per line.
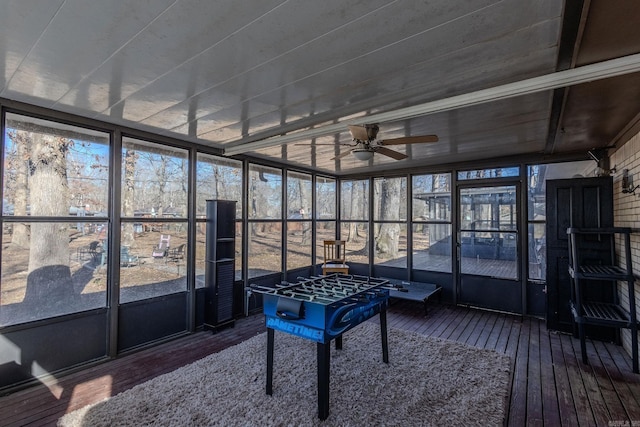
{"x":489,"y":173}
{"x":431,"y":197}
{"x":265,"y":192}
{"x":354,"y":227}
{"x":54,"y":207}
{"x":356,"y":235}
{"x":153,"y":248}
{"x":299,"y":190}
{"x":354,"y":200}
{"x":298,"y":244}
{"x":325,"y":198}
{"x":154,"y":262}
{"x":325,"y":230}
{"x":325,"y":214}
{"x":154,"y":180}
{"x":299,"y":196}
{"x":265,"y":248}
{"x":431,"y":217}
{"x":44,"y":158}
{"x":390,"y":227}
{"x":218,"y":178}
{"x":265,"y":221}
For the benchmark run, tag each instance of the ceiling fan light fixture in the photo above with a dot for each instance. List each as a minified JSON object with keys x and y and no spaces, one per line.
{"x":363,"y":154}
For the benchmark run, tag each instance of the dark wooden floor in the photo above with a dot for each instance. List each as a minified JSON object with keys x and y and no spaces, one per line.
{"x":550,"y":385}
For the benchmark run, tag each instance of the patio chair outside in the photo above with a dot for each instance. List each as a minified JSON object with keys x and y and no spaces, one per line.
{"x":91,"y":250}
{"x":162,"y":248}
{"x":126,"y":258}
{"x":176,"y":254}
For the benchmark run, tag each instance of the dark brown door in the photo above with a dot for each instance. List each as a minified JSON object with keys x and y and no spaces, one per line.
{"x":576,"y":202}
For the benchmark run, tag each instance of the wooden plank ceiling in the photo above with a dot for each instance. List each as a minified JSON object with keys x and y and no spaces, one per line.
{"x":226,"y":74}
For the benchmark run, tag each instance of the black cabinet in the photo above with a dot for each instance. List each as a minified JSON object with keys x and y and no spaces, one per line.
{"x":587,"y":266}
{"x":220,"y":263}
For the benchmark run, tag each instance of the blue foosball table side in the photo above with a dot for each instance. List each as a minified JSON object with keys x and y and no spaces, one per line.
{"x":308,"y":312}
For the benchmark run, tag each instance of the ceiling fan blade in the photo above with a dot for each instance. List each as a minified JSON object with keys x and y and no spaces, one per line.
{"x":393,"y":154}
{"x":359,"y":132}
{"x":341,"y":155}
{"x":313,"y":144}
{"x":409,"y":140}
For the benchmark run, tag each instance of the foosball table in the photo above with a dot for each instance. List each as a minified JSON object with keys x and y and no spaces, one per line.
{"x":321,"y":309}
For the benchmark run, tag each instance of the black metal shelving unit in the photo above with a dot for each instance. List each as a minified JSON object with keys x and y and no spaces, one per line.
{"x":586,"y":268}
{"x":220,"y":264}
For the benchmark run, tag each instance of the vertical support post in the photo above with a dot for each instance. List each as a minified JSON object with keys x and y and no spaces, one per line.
{"x":269,"y":361}
{"x":339,"y":342}
{"x":383,"y":333}
{"x":583,"y":343}
{"x":324,"y":356}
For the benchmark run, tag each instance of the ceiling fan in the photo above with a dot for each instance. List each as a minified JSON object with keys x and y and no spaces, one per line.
{"x":366,"y":144}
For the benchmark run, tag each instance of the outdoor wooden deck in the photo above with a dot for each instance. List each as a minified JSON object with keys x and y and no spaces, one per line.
{"x":550,"y":385}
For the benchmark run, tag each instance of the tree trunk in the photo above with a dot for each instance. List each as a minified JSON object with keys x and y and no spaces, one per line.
{"x":128,"y":194}
{"x":352,"y":234}
{"x":162,"y":184}
{"x":389,"y":234}
{"x":23,"y":142}
{"x":218,"y":182}
{"x":49,"y":280}
{"x":362,"y":208}
{"x":305,"y":211}
{"x":184,"y":168}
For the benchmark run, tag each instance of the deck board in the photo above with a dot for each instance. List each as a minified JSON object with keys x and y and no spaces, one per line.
{"x":496,"y":331}
{"x":534,"y":377}
{"x":550,"y":386}
{"x":517,"y":348}
{"x":580,"y":398}
{"x":592,"y":389}
{"x":626,"y":388}
{"x":488,"y":323}
{"x":566,"y":406}
{"x":550,"y":408}
{"x":615,"y":408}
{"x":471,"y":330}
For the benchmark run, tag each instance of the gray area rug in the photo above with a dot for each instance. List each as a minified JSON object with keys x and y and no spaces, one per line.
{"x":428,"y":382}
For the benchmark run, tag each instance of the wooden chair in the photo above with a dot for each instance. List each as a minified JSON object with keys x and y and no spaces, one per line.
{"x":334,"y":257}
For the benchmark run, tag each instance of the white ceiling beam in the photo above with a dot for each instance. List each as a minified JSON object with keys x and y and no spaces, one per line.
{"x":601,"y":70}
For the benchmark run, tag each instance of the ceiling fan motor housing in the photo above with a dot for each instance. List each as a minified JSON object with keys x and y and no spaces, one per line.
{"x":372,"y":131}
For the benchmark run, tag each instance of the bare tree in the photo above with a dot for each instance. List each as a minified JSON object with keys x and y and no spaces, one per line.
{"x":128,"y":194}
{"x":184,"y":171}
{"x":303,"y":191}
{"x":19,"y":160}
{"x":389,"y":234}
{"x":219,"y":183}
{"x":49,"y":276}
{"x":162,"y":179}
